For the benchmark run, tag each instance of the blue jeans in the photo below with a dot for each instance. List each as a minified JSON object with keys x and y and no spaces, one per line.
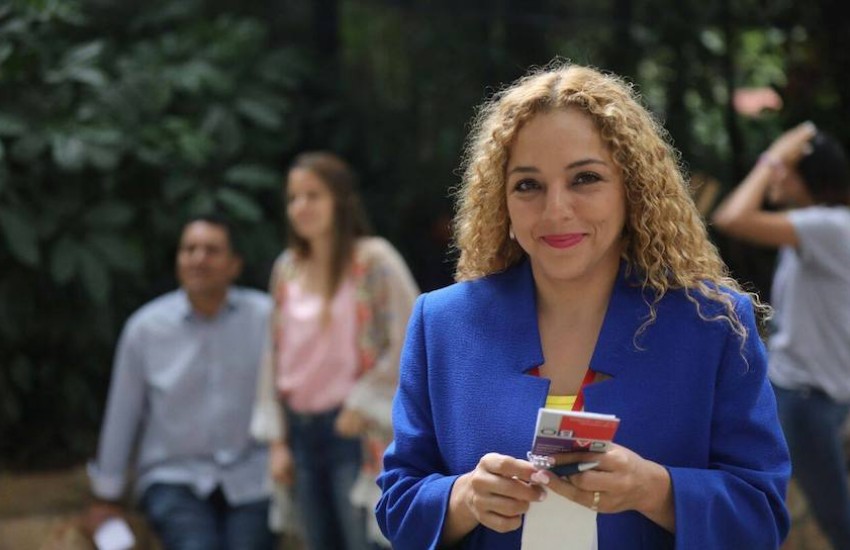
{"x":813,"y":425}
{"x":182,"y":521}
{"x":326,"y":466}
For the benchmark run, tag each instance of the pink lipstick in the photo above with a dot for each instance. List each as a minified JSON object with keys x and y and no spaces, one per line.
{"x":563,"y":241}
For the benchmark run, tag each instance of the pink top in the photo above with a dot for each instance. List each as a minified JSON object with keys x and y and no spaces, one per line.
{"x":317,"y":365}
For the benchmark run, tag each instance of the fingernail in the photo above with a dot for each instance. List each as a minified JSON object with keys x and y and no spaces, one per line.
{"x":542,"y":497}
{"x":540,"y":477}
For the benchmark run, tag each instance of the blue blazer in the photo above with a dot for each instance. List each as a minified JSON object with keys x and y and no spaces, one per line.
{"x":690,"y":395}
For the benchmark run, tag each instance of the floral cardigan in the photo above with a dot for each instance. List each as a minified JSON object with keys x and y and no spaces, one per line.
{"x":384,"y":296}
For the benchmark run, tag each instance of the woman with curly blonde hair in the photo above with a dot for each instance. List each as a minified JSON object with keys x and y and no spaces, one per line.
{"x":587,"y":282}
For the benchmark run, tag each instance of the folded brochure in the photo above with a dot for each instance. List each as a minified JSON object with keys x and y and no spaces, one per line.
{"x":559,"y":431}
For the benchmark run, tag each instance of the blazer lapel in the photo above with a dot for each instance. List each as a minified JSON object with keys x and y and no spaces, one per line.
{"x":617,"y":346}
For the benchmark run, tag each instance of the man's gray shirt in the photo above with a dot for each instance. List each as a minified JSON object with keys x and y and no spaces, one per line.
{"x":182,"y":390}
{"x":811,"y":295}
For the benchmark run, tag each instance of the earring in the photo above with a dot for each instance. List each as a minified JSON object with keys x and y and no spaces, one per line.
{"x":511,"y":233}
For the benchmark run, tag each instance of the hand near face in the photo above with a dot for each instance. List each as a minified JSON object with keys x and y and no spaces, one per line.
{"x":793,"y":144}
{"x":496,"y":494}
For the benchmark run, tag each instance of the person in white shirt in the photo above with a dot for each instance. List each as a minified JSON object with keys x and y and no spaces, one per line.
{"x":805,"y":173}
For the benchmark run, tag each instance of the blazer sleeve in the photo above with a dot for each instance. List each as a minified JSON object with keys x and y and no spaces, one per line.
{"x":739,"y":500}
{"x":393,"y":291}
{"x":415,"y":494}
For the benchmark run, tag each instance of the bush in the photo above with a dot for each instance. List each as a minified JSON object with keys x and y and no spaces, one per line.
{"x":109,"y":139}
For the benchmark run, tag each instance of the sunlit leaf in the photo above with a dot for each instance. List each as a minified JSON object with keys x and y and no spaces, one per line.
{"x":87,"y":75}
{"x":69,"y":152}
{"x":260,"y":113}
{"x":84,"y":54}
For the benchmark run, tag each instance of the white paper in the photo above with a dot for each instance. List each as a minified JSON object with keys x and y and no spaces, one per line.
{"x":114,"y":534}
{"x":558,"y":522}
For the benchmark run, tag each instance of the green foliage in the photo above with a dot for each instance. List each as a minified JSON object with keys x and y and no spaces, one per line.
{"x":120,"y":119}
{"x":111,"y":134}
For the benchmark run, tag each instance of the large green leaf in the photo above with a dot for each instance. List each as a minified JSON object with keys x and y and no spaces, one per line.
{"x":11,"y":125}
{"x":202,"y":203}
{"x":69,"y":152}
{"x":87,"y":75}
{"x":253,"y":176}
{"x":94,"y":276}
{"x":260,"y":113}
{"x":84,"y":54}
{"x":239,"y":204}
{"x":6,"y":50}
{"x":198,"y":74}
{"x":116,"y":250}
{"x":177,"y":186}
{"x":103,"y":158}
{"x":21,"y":236}
{"x":63,"y":259}
{"x":28,"y":147}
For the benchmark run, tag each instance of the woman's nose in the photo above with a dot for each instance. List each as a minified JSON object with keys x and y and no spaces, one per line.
{"x":559,"y":203}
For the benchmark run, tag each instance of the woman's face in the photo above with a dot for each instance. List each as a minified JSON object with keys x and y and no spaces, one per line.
{"x":566,"y":198}
{"x":309,"y":205}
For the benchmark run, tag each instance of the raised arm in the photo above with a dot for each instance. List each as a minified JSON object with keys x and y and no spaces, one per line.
{"x":742,"y":214}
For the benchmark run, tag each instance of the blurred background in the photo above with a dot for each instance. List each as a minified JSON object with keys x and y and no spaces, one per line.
{"x":119,"y":118}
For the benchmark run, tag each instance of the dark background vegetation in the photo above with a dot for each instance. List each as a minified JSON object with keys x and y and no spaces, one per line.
{"x":120,"y":118}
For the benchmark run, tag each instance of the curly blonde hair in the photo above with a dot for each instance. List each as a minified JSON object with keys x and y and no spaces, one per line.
{"x":665,"y":239}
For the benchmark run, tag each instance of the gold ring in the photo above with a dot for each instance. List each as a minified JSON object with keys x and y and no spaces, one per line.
{"x":595,"y":505}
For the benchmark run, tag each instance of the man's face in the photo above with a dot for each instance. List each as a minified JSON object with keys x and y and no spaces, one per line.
{"x":206,"y":263}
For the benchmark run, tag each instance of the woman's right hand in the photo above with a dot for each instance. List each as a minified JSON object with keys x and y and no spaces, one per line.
{"x":495,"y":494}
{"x":281,"y":465}
{"x":792,"y":144}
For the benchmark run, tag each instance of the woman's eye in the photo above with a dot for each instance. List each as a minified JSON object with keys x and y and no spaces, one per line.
{"x":526,"y":185}
{"x":586,"y":177}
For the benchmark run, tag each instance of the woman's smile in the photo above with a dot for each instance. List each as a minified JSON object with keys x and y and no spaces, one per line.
{"x":564,"y":240}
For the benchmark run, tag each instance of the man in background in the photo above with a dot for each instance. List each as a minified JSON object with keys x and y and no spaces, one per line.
{"x":179,"y":405}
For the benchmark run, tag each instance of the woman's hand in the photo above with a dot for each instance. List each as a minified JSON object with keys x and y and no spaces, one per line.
{"x":350,"y":423}
{"x":623,"y":481}
{"x":792,"y":145}
{"x":281,"y":464}
{"x":98,"y":512}
{"x":495,"y":494}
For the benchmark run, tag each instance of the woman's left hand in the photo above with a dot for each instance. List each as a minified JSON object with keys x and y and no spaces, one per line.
{"x":350,"y":423}
{"x":622,"y":481}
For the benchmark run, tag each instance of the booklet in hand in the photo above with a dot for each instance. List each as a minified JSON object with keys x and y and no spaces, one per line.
{"x":559,"y":431}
